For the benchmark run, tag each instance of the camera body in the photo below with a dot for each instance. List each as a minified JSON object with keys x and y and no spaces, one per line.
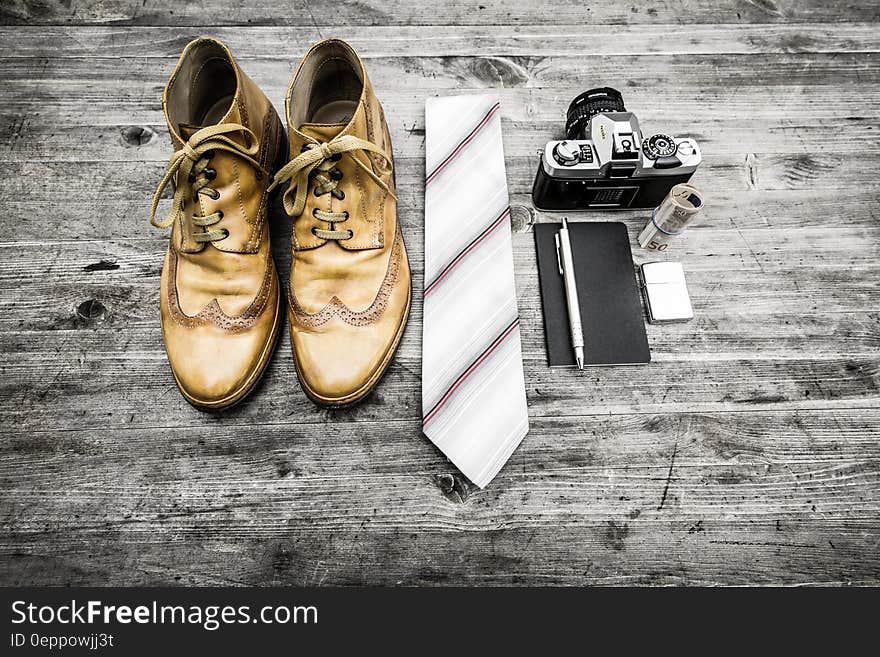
{"x":605,"y":164}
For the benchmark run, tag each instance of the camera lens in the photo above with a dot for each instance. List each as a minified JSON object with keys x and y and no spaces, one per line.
{"x":586,"y":106}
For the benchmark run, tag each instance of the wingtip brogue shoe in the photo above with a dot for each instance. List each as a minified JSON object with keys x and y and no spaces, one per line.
{"x":220,"y":295}
{"x":349,"y":294}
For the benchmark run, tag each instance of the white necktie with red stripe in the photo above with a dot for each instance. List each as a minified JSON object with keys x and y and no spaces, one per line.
{"x":473,"y":390}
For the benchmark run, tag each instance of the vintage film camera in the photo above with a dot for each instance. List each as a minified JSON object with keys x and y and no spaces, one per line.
{"x":604,"y":163}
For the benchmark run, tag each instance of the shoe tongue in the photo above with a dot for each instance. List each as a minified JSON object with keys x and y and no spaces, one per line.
{"x":187,"y":130}
{"x":322,"y":131}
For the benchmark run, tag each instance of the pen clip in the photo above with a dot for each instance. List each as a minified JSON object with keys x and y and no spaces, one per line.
{"x":558,"y":254}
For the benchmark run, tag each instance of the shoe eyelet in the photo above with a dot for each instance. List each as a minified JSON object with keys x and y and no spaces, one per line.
{"x":346,"y":214}
{"x":225,"y":233}
{"x":341,"y":195}
{"x":316,"y":191}
{"x":350,"y":233}
{"x":314,"y":210}
{"x":336,"y":157}
{"x":336,"y":174}
{"x":220,"y":212}
{"x":313,"y":231}
{"x":210,"y":174}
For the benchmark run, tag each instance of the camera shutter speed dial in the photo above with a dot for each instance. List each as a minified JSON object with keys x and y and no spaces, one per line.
{"x":567,"y":153}
{"x":657,"y":146}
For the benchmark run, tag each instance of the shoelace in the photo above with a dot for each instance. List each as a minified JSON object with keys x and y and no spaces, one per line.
{"x":319,"y":161}
{"x":189,"y":170}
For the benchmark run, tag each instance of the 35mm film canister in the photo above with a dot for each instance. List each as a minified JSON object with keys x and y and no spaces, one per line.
{"x":671,"y":217}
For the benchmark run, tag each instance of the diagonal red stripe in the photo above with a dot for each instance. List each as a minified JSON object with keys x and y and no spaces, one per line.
{"x":470,"y":370}
{"x":468,"y":249}
{"x":465,"y":142}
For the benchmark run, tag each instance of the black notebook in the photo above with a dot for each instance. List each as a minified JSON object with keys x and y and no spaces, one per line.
{"x":611,"y":312}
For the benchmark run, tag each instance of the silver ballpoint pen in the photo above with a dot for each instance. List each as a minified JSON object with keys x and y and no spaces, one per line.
{"x":566,"y":270}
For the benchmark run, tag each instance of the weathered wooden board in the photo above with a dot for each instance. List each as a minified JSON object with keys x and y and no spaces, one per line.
{"x":704,"y":80}
{"x":748,"y":451}
{"x":374,"y":42}
{"x":36,"y":136}
{"x":324,"y":16}
{"x":596,"y":499}
{"x":123,"y":219}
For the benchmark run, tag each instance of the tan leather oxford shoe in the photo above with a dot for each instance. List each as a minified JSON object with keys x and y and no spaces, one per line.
{"x":349,"y":294}
{"x":220,"y":307}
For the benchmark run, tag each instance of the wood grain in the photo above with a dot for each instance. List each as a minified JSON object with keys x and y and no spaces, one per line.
{"x":455,"y":12}
{"x":486,"y":40}
{"x":747,"y":452}
{"x":597,"y":499}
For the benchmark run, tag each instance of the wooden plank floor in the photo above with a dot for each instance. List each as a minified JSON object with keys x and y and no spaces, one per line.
{"x":748,"y":452}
